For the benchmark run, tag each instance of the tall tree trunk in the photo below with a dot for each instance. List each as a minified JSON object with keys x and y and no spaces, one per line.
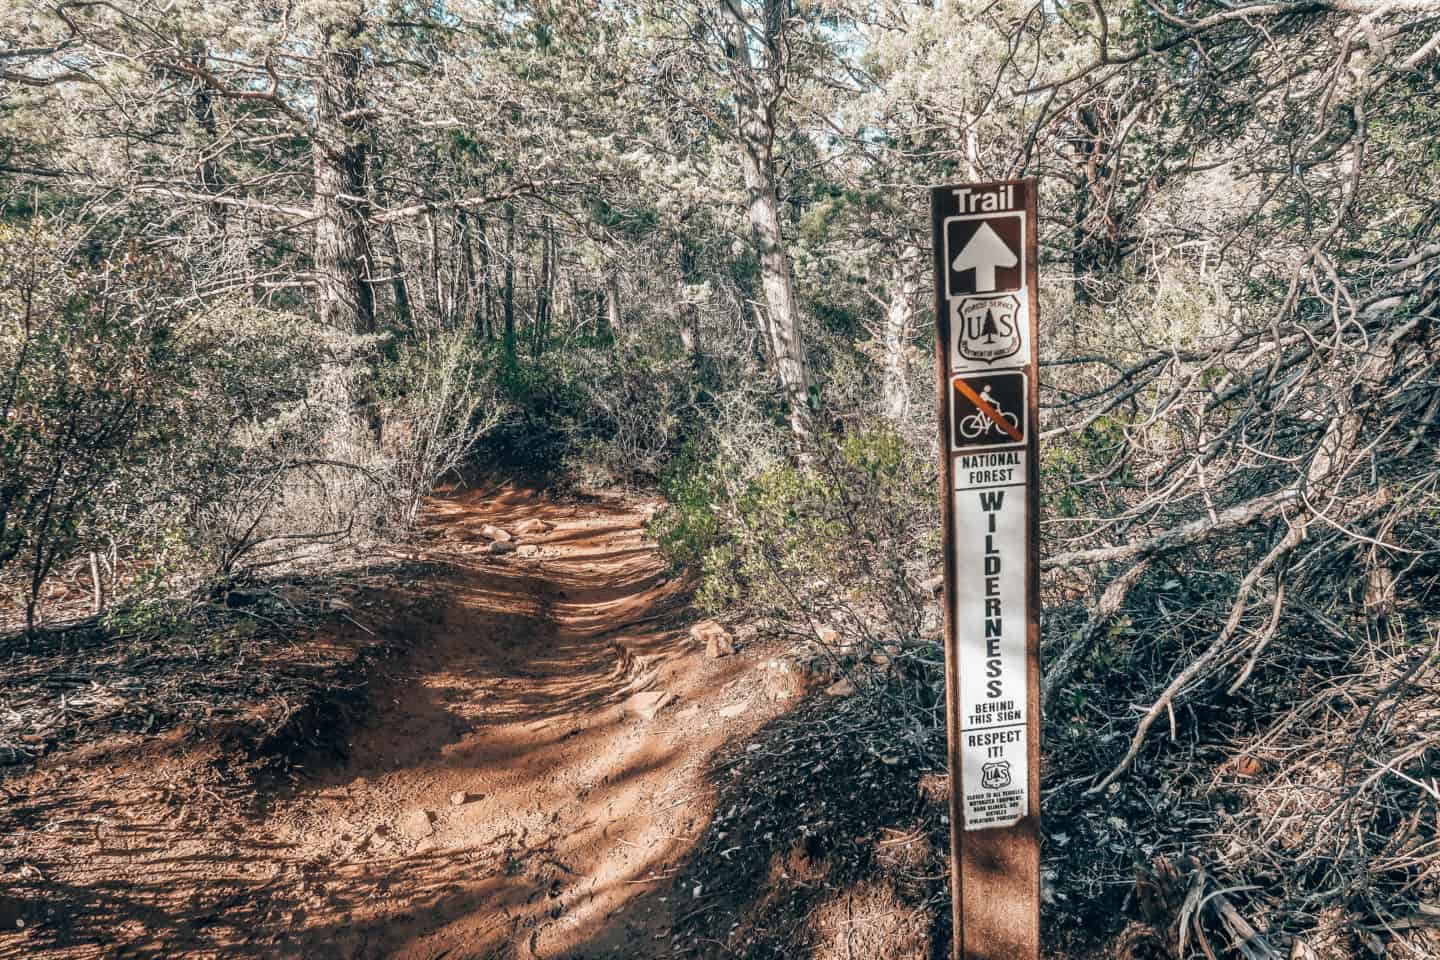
{"x":1095,"y":243}
{"x":342,"y":249}
{"x":613,"y":312}
{"x":202,"y":111}
{"x":1079,"y":269}
{"x":509,"y":292}
{"x":755,"y":102}
{"x":545,"y":295}
{"x":485,"y":315}
{"x":575,"y":318}
{"x":442,"y":310}
{"x":467,"y":300}
{"x":689,"y":312}
{"x":552,"y":296}
{"x":972,"y":145}
{"x":895,"y":341}
{"x":344,"y":297}
{"x":398,"y":284}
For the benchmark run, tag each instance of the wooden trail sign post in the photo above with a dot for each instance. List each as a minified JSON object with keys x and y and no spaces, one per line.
{"x":986,"y":322}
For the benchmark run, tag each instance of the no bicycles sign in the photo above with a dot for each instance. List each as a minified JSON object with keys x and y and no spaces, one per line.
{"x":991,"y":410}
{"x":986,"y":324}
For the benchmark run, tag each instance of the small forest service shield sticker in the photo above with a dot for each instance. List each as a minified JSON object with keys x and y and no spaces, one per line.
{"x":987,"y":328}
{"x":994,"y":776}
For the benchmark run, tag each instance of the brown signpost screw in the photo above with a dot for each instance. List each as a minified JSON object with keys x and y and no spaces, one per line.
{"x":986,"y":320}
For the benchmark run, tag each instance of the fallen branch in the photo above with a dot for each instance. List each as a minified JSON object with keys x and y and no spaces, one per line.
{"x":1186,"y":534}
{"x":1196,"y":666}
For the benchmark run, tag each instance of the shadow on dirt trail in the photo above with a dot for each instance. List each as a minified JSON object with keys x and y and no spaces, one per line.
{"x":504,"y":794}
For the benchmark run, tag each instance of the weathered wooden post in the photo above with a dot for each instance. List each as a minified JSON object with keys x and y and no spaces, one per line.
{"x":986,"y":320}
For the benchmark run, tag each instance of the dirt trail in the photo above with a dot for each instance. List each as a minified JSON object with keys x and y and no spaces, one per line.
{"x":576,"y":809}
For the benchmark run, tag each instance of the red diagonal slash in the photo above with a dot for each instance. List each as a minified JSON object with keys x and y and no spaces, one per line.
{"x":984,"y":408}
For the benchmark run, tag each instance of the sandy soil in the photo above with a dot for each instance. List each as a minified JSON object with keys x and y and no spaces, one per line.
{"x":516,"y":697}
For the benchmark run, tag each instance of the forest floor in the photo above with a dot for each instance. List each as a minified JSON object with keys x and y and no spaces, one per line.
{"x":501,"y":791}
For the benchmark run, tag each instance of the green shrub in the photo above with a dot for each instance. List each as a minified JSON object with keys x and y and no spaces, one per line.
{"x":88,"y":363}
{"x":184,"y":443}
{"x":439,"y":397}
{"x":843,"y":541}
{"x":596,"y":409}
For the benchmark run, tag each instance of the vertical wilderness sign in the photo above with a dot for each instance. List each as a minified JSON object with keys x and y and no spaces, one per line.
{"x":986,"y":324}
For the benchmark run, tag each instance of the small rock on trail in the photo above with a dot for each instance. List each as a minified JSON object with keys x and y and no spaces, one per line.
{"x":646,"y":705}
{"x":718,"y":642}
{"x":416,"y":824}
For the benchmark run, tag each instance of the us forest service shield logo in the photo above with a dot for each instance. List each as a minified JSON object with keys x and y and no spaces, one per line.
{"x":995,"y":776}
{"x":988,"y":329}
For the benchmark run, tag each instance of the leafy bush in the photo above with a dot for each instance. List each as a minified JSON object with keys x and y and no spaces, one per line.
{"x":88,"y":362}
{"x":441,"y":400}
{"x":279,"y":459}
{"x":189,"y":443}
{"x":272,"y":455}
{"x":845,"y":541}
{"x":598,"y":413}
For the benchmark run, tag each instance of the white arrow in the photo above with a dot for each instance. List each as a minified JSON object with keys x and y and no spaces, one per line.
{"x":983,"y":254}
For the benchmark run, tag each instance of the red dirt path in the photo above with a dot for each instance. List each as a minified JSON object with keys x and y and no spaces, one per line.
{"x":577,"y":811}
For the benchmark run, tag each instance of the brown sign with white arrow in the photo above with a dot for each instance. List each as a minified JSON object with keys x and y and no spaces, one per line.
{"x":985,"y":253}
{"x":986,"y":323}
